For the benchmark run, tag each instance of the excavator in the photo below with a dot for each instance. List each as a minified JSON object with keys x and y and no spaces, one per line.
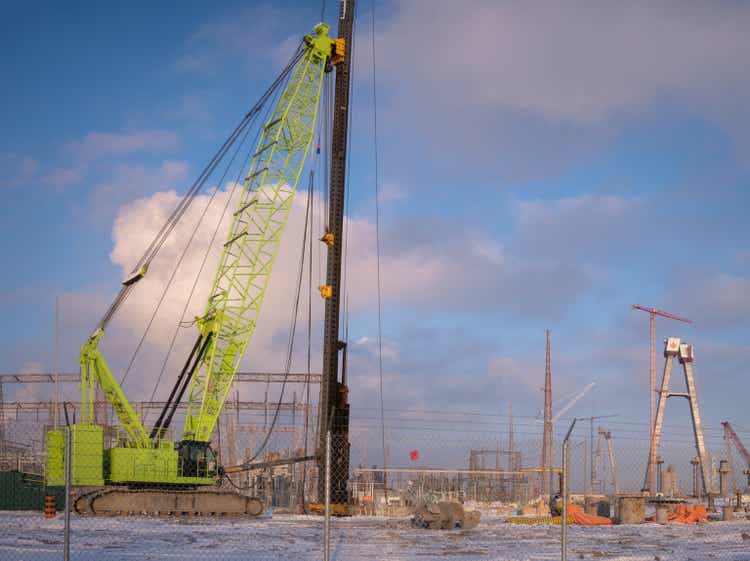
{"x":140,"y":470}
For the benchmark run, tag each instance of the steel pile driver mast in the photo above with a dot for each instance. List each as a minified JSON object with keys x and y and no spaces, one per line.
{"x":334,"y":403}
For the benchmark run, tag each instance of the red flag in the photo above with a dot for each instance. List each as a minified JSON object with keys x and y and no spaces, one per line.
{"x":414,"y":455}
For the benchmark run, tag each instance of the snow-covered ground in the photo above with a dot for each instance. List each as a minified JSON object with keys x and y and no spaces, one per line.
{"x":29,"y":537}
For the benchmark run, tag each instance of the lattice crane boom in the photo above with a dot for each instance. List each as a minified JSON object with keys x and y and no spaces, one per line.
{"x":247,"y":259}
{"x":661,"y":313}
{"x":737,"y":442}
{"x":245,"y":265}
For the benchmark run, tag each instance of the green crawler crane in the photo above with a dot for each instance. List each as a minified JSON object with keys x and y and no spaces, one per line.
{"x":142,"y":471}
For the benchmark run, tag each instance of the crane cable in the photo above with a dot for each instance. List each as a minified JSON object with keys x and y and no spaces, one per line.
{"x":309,"y":212}
{"x":309,"y":215}
{"x":290,"y":341}
{"x":189,"y":198}
{"x":181,"y":321}
{"x":173,"y":274}
{"x":348,"y":193}
{"x":311,"y":206}
{"x":377,"y":240}
{"x":156,"y":244}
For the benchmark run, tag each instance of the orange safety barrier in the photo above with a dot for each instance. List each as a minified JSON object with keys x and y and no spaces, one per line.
{"x":579,"y":517}
{"x":50,"y":510}
{"x":688,"y":514}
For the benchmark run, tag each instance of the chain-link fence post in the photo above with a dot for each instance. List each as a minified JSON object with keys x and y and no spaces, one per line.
{"x":66,"y":535}
{"x":327,"y":513}
{"x":565,"y":491}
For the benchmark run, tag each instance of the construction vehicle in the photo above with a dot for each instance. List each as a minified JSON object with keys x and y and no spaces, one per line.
{"x":143,"y":471}
{"x":731,"y":435}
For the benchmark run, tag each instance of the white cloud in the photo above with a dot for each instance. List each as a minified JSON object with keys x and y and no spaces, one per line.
{"x":743,"y":257}
{"x":97,"y":145}
{"x":488,"y":249}
{"x":251,"y":33}
{"x":101,"y":148}
{"x":63,"y":176}
{"x":390,"y":349}
{"x":136,"y":225}
{"x":512,"y":373}
{"x":17,"y":170}
{"x":128,"y":181}
{"x":392,"y":192}
{"x":424,"y":266}
{"x":585,"y":228}
{"x":534,"y":85}
{"x":719,"y":300}
{"x":570,"y":61}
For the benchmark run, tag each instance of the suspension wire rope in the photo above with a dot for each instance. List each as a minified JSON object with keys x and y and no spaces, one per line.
{"x":295,"y":313}
{"x":156,"y":244}
{"x":377,"y":236}
{"x":310,"y":210}
{"x":235,"y":184}
{"x":327,"y":127}
{"x":290,"y":342}
{"x":320,"y":156}
{"x":173,"y":274}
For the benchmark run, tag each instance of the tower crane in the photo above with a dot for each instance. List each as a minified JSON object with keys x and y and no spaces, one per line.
{"x":144,"y":471}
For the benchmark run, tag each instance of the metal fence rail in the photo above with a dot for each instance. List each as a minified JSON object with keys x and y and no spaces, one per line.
{"x":425,"y":469}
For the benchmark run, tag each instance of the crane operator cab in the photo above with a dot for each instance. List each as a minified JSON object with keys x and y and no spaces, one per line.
{"x":196,"y":459}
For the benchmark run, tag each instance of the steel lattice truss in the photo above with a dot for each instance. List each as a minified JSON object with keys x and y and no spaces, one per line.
{"x":254,"y":237}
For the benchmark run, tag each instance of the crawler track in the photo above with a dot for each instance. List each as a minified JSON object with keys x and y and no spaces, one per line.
{"x":154,"y":502}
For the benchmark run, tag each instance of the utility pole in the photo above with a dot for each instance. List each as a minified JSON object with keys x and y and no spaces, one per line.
{"x":512,"y":462}
{"x":511,"y":441}
{"x":2,"y":420}
{"x":56,"y":363}
{"x":652,"y":312}
{"x":334,"y":401}
{"x":547,"y":450}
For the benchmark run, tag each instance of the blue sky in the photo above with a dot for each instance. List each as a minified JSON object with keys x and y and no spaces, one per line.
{"x":540,"y":168}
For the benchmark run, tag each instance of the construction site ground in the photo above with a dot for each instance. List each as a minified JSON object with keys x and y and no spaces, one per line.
{"x":283,"y":537}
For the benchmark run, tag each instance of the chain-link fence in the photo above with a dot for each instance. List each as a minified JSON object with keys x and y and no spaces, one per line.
{"x":698,"y":507}
{"x":413,"y":491}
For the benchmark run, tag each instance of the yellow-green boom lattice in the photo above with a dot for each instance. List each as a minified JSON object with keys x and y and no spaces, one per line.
{"x":247,"y":259}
